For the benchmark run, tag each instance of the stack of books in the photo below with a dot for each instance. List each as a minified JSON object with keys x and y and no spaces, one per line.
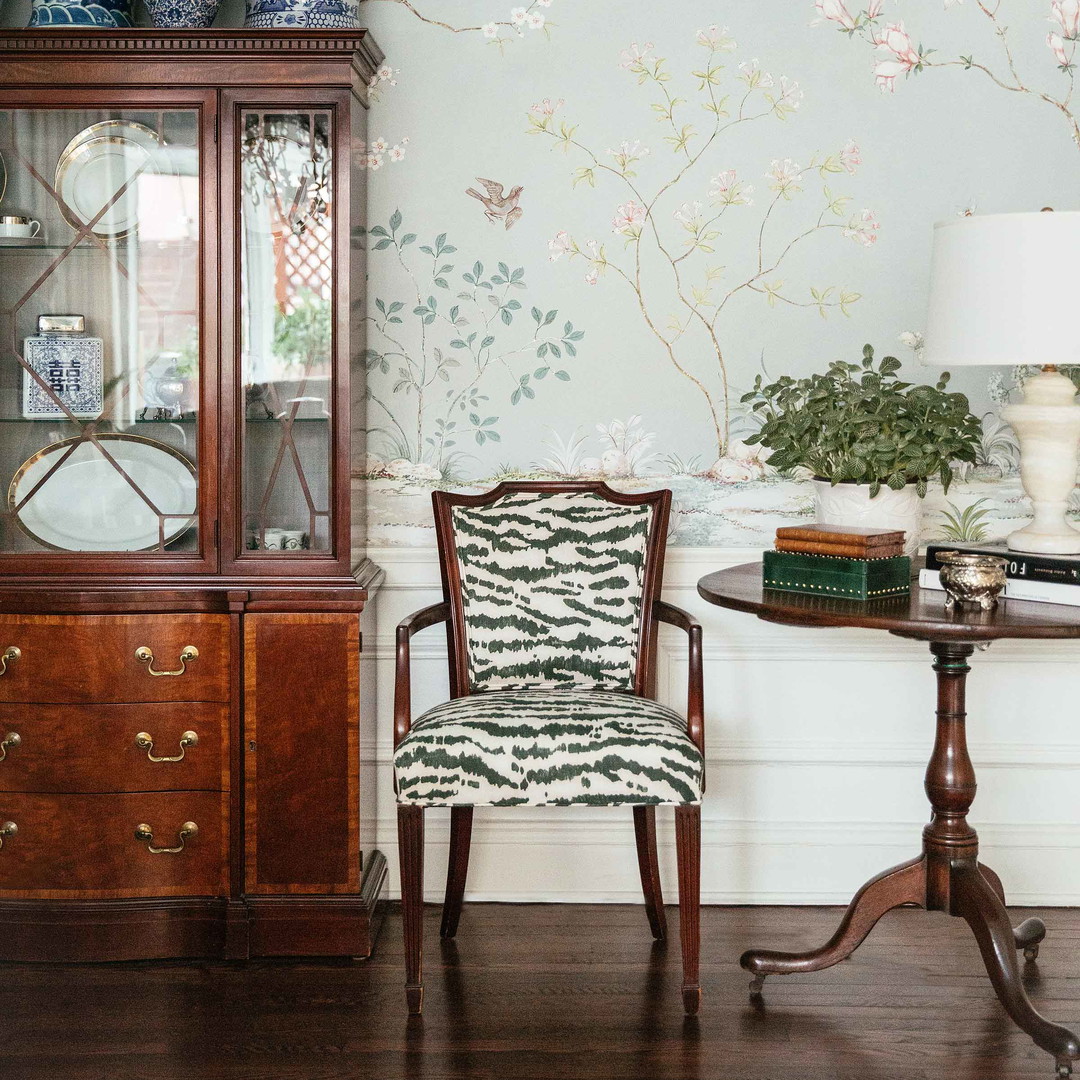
{"x":1044,"y":579}
{"x":840,"y":561}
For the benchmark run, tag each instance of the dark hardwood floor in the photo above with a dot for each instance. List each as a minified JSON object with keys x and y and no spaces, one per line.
{"x":548,"y":992}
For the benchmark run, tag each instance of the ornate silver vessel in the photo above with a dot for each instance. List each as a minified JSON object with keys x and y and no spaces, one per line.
{"x":971,"y":580}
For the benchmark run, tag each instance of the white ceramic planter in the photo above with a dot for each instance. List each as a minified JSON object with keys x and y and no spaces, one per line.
{"x":850,"y":504}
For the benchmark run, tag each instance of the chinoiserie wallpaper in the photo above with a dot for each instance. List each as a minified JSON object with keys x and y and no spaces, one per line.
{"x":595,"y":221}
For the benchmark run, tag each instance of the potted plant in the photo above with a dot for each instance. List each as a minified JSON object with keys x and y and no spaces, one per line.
{"x":870,"y":441}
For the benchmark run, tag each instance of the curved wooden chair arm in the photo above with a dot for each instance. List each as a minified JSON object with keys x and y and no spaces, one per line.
{"x":695,"y":697}
{"x":417,"y":621}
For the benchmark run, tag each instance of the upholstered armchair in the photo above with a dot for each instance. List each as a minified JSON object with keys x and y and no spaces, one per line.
{"x":551,"y":599}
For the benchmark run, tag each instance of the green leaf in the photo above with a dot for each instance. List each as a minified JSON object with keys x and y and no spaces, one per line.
{"x":395,"y":221}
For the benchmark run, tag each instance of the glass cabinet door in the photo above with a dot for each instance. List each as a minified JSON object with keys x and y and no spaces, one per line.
{"x":287,"y":256}
{"x":99,"y":330}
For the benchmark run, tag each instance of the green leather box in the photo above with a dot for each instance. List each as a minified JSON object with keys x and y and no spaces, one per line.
{"x":827,"y":575}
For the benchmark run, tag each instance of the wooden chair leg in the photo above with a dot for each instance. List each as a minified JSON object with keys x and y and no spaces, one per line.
{"x":411,"y":853}
{"x":645,"y":834}
{"x":461,"y":819}
{"x":688,"y":849}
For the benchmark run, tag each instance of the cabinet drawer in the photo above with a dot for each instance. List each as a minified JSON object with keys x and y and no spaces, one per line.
{"x":96,"y":748}
{"x":85,"y":845}
{"x":92,"y":658}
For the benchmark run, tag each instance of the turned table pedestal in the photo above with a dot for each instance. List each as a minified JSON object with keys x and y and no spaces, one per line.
{"x":947,"y":876}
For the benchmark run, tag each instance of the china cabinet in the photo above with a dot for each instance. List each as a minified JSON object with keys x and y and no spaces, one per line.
{"x":179,"y":596}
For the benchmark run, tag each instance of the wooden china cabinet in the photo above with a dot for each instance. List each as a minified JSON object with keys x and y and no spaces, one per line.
{"x":179,"y":597}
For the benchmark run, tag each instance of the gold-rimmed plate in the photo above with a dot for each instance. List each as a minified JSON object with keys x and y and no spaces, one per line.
{"x":87,"y":504}
{"x":90,"y":177}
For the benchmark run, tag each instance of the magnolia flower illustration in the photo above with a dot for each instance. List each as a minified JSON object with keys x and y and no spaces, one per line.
{"x":785,"y":176}
{"x":1057,"y":47}
{"x":547,"y":107}
{"x":864,"y":228}
{"x":900,"y":54}
{"x":628,"y":218}
{"x":716,"y":39}
{"x":897,"y":55}
{"x":560,"y":246}
{"x":636,"y":55}
{"x":728,"y":190}
{"x":1066,"y":13}
{"x":836,"y":11}
{"x":849,"y":156}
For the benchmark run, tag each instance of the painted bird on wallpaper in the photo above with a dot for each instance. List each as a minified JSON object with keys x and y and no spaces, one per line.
{"x":497,"y":205}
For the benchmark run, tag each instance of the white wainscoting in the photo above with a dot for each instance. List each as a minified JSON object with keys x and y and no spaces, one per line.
{"x":816,"y":743}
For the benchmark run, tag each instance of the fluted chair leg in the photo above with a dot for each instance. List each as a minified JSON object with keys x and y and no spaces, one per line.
{"x":411,"y":852}
{"x":688,"y":850}
{"x":649,"y":866}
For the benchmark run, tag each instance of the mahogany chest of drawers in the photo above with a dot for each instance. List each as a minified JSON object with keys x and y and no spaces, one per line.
{"x":182,"y":782}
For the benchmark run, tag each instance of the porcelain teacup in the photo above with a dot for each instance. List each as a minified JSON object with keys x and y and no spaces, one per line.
{"x":14,"y":225}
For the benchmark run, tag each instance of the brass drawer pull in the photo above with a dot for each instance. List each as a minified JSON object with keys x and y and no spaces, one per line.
{"x":9,"y":828}
{"x":12,"y":739}
{"x":145,"y":835}
{"x":144,"y":741}
{"x":10,"y":654}
{"x":145,"y":656}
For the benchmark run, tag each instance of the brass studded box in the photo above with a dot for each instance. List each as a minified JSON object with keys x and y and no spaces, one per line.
{"x":827,"y":575}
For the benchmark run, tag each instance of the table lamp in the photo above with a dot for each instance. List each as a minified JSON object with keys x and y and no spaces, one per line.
{"x":1005,"y":289}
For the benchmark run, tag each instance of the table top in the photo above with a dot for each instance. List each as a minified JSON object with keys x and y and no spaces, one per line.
{"x":920,"y":615}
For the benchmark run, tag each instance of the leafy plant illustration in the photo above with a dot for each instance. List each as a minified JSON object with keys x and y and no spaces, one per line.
{"x":439,"y":349}
{"x":898,"y":55}
{"x":700,"y":277}
{"x":968,"y":525}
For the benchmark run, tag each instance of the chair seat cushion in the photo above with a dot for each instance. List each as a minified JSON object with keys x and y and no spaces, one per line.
{"x":557,"y":747}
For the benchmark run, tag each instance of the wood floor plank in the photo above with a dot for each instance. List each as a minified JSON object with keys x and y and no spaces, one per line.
{"x":549,"y":992}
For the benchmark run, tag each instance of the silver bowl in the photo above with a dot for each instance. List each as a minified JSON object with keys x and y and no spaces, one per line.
{"x":971,"y":580}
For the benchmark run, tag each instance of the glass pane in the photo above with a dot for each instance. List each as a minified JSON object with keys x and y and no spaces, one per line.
{"x":99,"y":330}
{"x":287,"y":328}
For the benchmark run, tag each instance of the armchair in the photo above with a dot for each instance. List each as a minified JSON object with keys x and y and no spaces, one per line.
{"x":551,"y":602}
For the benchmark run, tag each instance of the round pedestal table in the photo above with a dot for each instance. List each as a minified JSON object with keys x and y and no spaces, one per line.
{"x":947,"y":876}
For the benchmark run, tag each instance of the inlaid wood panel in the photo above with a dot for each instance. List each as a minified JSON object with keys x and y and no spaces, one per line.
{"x":301,"y":720}
{"x":93,"y":748}
{"x":91,"y":658}
{"x":84,"y":846}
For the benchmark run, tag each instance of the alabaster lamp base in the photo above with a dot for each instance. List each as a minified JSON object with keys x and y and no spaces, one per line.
{"x":1047,"y":425}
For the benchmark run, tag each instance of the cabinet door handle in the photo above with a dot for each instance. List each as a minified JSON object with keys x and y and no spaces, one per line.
{"x":145,"y":835}
{"x":12,"y":739}
{"x":10,"y":654}
{"x":144,"y":741}
{"x":9,"y":828}
{"x":145,"y":656}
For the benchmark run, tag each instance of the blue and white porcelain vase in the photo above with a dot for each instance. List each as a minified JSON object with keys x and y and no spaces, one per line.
{"x":182,"y":14}
{"x":302,"y":14}
{"x":104,"y":13}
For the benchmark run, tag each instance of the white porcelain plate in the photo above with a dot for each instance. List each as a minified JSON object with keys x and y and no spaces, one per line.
{"x":89,"y":175}
{"x":86,"y":504}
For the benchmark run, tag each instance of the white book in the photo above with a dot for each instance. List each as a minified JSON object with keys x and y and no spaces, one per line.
{"x":1038,"y":592}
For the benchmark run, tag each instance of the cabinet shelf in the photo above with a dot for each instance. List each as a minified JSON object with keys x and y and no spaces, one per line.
{"x":186,"y":420}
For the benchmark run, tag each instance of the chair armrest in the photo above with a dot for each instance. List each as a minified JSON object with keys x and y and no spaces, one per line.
{"x":417,"y":621}
{"x":695,"y":699}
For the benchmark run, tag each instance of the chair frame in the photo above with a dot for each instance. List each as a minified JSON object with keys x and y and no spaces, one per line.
{"x":687,"y":818}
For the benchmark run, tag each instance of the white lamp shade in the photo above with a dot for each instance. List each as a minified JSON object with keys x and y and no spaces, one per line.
{"x":1005,"y":289}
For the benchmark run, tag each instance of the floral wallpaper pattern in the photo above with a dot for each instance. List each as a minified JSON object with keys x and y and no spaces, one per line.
{"x":595,"y":223}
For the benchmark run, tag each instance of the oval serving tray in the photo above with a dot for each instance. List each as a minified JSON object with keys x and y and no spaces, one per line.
{"x":87,"y":505}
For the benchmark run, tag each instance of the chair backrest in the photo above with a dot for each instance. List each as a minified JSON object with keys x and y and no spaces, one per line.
{"x":551,"y":584}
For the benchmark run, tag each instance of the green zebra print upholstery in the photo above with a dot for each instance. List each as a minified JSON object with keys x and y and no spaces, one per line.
{"x":551,"y":747}
{"x":551,"y":587}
